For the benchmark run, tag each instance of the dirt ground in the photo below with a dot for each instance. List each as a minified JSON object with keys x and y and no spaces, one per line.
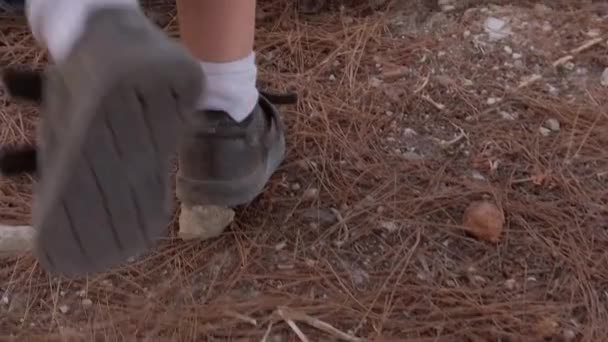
{"x":407,"y":114}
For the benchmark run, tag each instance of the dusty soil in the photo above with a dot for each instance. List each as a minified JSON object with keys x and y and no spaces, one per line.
{"x":407,"y":114}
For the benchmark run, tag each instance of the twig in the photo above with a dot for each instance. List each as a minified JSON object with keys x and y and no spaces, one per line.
{"x":425,"y":82}
{"x":267,"y":333}
{"x":433,"y":102}
{"x":15,"y":239}
{"x":587,"y":45}
{"x":241,"y":317}
{"x":449,"y":143}
{"x":288,"y":314}
{"x":341,"y":241}
{"x":560,"y":61}
{"x":292,"y":325}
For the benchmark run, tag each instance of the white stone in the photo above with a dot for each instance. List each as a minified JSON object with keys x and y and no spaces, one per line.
{"x":279,"y":246}
{"x":492,"y":100}
{"x":389,"y":226}
{"x":507,"y":115}
{"x":311,"y":193}
{"x":478,"y":176}
{"x":510,"y":284}
{"x":604,"y":80}
{"x":203,"y":222}
{"x":375,"y":82}
{"x":496,"y":28}
{"x":569,"y":335}
{"x":552,"y":124}
{"x":408,"y":132}
{"x":544,"y":131}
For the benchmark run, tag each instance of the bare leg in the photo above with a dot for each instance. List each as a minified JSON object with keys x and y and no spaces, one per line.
{"x":230,"y":166}
{"x":217,"y":31}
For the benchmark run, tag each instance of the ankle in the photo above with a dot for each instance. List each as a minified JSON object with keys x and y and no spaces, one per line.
{"x":231,"y":87}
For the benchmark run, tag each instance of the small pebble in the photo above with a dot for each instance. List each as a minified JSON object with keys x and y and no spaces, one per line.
{"x":311,"y":193}
{"x":593,"y":33}
{"x":510,"y":284}
{"x":295,"y":186}
{"x":310,"y":263}
{"x":604,"y":80}
{"x":569,"y":335}
{"x":375,"y":82}
{"x":479,"y":279}
{"x":389,"y":226}
{"x":544,"y":131}
{"x":508,"y":49}
{"x":553,"y":124}
{"x":87,"y":302}
{"x":408,"y":132}
{"x":496,"y":28}
{"x":332,"y":77}
{"x":478,"y":176}
{"x":4,"y":300}
{"x":518,"y":64}
{"x":64,"y":309}
{"x":279,"y":246}
{"x":492,"y":100}
{"x":507,"y":116}
{"x":552,"y":90}
{"x":516,"y":55}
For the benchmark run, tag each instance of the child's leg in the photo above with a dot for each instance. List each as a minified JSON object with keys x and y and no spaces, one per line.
{"x":112,"y":113}
{"x":238,"y":141}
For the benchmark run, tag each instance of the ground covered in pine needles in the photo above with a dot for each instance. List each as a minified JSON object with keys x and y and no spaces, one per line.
{"x":408,"y":113}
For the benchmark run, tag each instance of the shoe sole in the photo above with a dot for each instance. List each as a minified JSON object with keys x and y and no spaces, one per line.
{"x":104,"y":195}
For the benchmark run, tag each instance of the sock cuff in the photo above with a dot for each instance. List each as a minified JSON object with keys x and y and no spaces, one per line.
{"x":242,"y":65}
{"x":231,"y":87}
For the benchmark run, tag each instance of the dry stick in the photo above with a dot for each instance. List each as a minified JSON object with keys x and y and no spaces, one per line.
{"x":265,"y":337}
{"x":560,"y":61}
{"x":15,"y":239}
{"x":292,"y":325}
{"x":290,"y":315}
{"x":244,"y":318}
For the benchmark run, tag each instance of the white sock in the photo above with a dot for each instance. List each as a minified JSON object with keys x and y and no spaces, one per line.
{"x":58,"y":24}
{"x":231,"y":87}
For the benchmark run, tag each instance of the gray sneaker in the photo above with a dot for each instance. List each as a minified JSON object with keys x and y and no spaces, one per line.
{"x":224,"y":164}
{"x":111,"y":117}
